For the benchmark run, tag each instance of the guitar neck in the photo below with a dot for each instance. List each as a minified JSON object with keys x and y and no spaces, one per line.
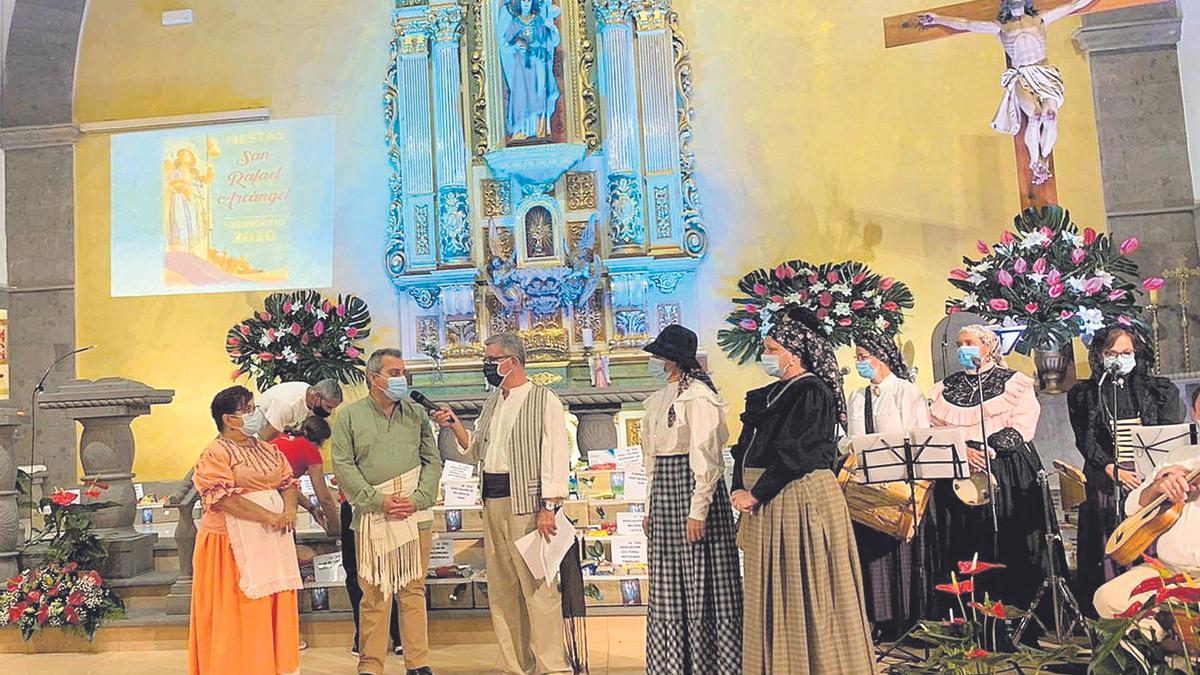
{"x":1192,"y":476}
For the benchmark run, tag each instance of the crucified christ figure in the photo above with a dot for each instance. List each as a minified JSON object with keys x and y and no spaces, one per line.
{"x":1032,"y":87}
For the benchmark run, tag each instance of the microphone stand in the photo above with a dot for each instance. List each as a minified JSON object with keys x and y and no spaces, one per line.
{"x":41,"y":388}
{"x":1111,"y":411}
{"x":987,"y":458}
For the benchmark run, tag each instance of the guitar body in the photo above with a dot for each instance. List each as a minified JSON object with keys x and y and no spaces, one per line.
{"x":1135,"y":534}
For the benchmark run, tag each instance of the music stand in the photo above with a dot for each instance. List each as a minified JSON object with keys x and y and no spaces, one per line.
{"x":1157,"y":445}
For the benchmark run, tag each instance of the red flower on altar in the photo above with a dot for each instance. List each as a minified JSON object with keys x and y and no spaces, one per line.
{"x":70,"y":567}
{"x":784,"y":272}
{"x":236,"y":374}
{"x":753,"y":309}
{"x":266,"y":356}
{"x":1020,"y":266}
{"x":341,"y":310}
{"x":959,"y":274}
{"x":75,"y":598}
{"x":1004,"y":278}
{"x":982,"y":247}
{"x":1153,"y":283}
{"x":352,"y":352}
{"x":760,"y":289}
{"x":812,"y":278}
{"x":973,"y":567}
{"x":858,"y":304}
{"x":977,"y":653}
{"x":94,"y":576}
{"x":996,"y":611}
{"x":63,"y":498}
{"x":832,"y":277}
{"x":1031,"y":307}
{"x":1054,"y":278}
{"x":92,"y":492}
{"x":318,"y":328}
{"x":1066,"y":314}
{"x":844,"y":322}
{"x":264,"y":316}
{"x":304,"y":339}
{"x":14,"y":582}
{"x":1089,"y":236}
{"x":294,"y":329}
{"x":858,"y":278}
{"x":15,"y":612}
{"x":822,"y":313}
{"x":1131,"y":611}
{"x":351,"y":332}
{"x":998,"y":304}
{"x":803,"y":292}
{"x":71,"y":615}
{"x":748,"y":324}
{"x":1007,"y":238}
{"x":826,"y":299}
{"x":886,"y":283}
{"x":956,"y":587}
{"x":1039,"y":266}
{"x":326,"y":306}
{"x":43,"y":614}
{"x":244,"y":329}
{"x":34,"y":596}
{"x":890,"y":306}
{"x":1056,"y":290}
{"x":1078,"y":255}
{"x":287,"y":307}
{"x":1130,"y":245}
{"x":232,"y":341}
{"x":1093,"y":286}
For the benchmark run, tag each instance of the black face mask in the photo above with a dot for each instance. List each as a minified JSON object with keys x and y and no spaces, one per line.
{"x":321,"y":412}
{"x":491,"y":373}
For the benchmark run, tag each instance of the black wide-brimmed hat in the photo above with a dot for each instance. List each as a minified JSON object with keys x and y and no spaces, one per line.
{"x":677,"y":344}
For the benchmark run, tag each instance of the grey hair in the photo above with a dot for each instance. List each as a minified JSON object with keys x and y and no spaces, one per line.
{"x":510,"y":344}
{"x":375,"y":363}
{"x":330,"y":390}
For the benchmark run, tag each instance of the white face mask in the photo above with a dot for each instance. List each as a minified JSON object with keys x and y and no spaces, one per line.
{"x":252,"y":422}
{"x":657,"y":368}
{"x":770,"y":365}
{"x":1124,"y":363}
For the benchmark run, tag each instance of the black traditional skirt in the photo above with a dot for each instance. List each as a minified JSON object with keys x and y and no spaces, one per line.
{"x":1097,"y":520}
{"x":694,"y":623}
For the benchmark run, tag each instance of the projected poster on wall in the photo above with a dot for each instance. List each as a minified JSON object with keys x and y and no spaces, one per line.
{"x":233,"y":207}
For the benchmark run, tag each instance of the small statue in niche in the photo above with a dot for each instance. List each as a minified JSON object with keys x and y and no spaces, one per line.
{"x":529,"y":39}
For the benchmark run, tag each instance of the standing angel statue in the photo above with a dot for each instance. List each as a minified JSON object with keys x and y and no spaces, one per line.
{"x":1032,"y":87}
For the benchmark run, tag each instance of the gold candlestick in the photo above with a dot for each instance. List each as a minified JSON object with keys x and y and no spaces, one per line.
{"x":1183,"y":274}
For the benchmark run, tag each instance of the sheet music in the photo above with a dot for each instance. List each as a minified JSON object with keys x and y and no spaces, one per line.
{"x":1155,"y":446}
{"x":881,"y":457}
{"x":939,"y":453}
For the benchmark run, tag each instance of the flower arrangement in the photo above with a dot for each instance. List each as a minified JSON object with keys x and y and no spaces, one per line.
{"x":1055,"y":280}
{"x":301,"y":336}
{"x":66,"y":592}
{"x":847,"y":297}
{"x":975,"y":640}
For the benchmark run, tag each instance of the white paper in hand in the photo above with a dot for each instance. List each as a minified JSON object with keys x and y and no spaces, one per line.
{"x":542,"y":557}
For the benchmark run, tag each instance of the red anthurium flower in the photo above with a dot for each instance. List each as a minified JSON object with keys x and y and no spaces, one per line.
{"x":832,"y":276}
{"x":1005,"y":279}
{"x":1078,"y":255}
{"x":956,"y":621}
{"x":1124,"y":320}
{"x":244,"y":329}
{"x":70,"y":567}
{"x":982,"y":247}
{"x":71,"y":615}
{"x":759,"y":289}
{"x":977,"y":653}
{"x":34,"y":596}
{"x":1089,"y":236}
{"x":75,"y":598}
{"x":748,"y":324}
{"x":63,"y":498}
{"x":996,"y":611}
{"x":1130,"y":245}
{"x":94,"y":576}
{"x":826,"y":299}
{"x":1031,"y":307}
{"x":1066,"y":314}
{"x":1007,"y":238}
{"x":961,"y":275}
{"x":1020,"y":266}
{"x":91,"y":493}
{"x":890,"y":306}
{"x":971,"y":567}
{"x":1153,"y":283}
{"x":15,"y":612}
{"x":886,"y":283}
{"x":1185,"y":594}
{"x":998,"y":304}
{"x":784,"y":272}
{"x":858,"y":278}
{"x":858,"y":304}
{"x":1039,"y":266}
{"x":844,"y":322}
{"x":351,"y":332}
{"x":957,"y":587}
{"x":1056,"y":290}
{"x":43,"y":614}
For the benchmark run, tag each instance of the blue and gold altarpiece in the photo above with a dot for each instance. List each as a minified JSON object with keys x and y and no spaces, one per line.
{"x":541,"y":177}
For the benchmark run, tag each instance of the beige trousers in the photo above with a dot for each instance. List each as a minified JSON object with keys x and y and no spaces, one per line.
{"x":526,"y":613}
{"x":1113,"y":597}
{"x":375,"y":615}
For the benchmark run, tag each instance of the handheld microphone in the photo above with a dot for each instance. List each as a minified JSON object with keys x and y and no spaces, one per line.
{"x":843,"y":371}
{"x":423,"y":401}
{"x":1112,"y":369}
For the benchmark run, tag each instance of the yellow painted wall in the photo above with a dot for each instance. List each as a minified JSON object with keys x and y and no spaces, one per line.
{"x":813,"y":141}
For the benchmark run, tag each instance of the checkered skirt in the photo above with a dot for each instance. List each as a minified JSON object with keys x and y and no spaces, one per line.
{"x":694,"y":624}
{"x":804,"y":592}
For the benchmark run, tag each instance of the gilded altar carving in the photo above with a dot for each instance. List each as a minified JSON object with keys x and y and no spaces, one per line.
{"x":695,"y":237}
{"x":497,"y":198}
{"x":581,"y":190}
{"x":589,"y":104}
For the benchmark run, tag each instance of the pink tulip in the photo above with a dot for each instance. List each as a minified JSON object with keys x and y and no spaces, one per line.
{"x":959,"y":274}
{"x":748,"y":324}
{"x":351,"y":332}
{"x":784,"y":272}
{"x":998,"y":304}
{"x":352,"y":352}
{"x":1031,"y":307}
{"x":826,"y":299}
{"x":1007,"y":238}
{"x":1056,"y":290}
{"x":886,"y":283}
{"x":1117,"y":294}
{"x":832,"y":277}
{"x":858,"y":278}
{"x":1153,"y":283}
{"x":341,"y":310}
{"x":983,"y":247}
{"x":760,"y":289}
{"x":1039,"y":266}
{"x":294,"y":329}
{"x":1054,"y":277}
{"x":1005,"y":279}
{"x":858,"y":304}
{"x":1020,"y":266}
{"x":1078,"y":255}
{"x":844,"y":322}
{"x":1130,"y":245}
{"x":1093,"y":286}
{"x":287,"y":307}
{"x":1065,"y":314}
{"x":1089,"y":236}
{"x":318,"y":328}
{"x":244,"y":329}
{"x":1124,"y":320}
{"x":890,"y":306}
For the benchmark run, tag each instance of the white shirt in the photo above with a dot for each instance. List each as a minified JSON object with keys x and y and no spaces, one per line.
{"x":284,"y":404}
{"x":699,"y":432}
{"x":898,"y":405}
{"x":1178,"y":547}
{"x":556,"y":459}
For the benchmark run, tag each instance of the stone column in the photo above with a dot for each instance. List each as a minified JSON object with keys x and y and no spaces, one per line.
{"x":10,"y":518}
{"x":106,"y":408}
{"x":621,"y":143}
{"x":179,"y":599}
{"x":1143,"y":147}
{"x":450,"y":144}
{"x":416,"y":142}
{"x":660,"y":129}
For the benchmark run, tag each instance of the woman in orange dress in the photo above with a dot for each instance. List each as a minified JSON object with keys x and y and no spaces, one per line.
{"x":229,"y":632}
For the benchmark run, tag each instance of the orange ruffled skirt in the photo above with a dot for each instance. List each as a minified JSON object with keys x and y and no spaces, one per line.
{"x":230,"y":633}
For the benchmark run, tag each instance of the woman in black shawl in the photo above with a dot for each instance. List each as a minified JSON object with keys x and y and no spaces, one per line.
{"x":1122,"y":359}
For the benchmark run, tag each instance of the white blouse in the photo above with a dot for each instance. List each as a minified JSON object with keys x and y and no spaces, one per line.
{"x":699,"y":432}
{"x":896,"y":405}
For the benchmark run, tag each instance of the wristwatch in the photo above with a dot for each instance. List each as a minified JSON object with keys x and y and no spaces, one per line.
{"x":551,"y":505}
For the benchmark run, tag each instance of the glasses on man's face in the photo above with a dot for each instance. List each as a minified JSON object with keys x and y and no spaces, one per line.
{"x":246,"y":410}
{"x":494,"y":359}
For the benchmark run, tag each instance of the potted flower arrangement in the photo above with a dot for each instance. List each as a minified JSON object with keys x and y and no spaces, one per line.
{"x":848,"y":297}
{"x":1053,"y":279}
{"x":66,"y":591}
{"x":301,"y":336}
{"x":1132,"y":641}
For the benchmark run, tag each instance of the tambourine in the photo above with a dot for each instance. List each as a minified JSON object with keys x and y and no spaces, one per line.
{"x":973,"y":491}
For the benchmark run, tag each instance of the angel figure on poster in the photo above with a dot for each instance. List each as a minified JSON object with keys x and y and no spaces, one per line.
{"x":187,"y":196}
{"x":1032,"y":87}
{"x":528,"y":41}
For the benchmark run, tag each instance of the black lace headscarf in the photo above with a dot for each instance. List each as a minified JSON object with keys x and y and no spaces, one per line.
{"x":884,"y":348}
{"x":1156,"y":397}
{"x":800,"y":332}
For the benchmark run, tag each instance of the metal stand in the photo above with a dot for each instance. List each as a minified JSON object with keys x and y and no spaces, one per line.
{"x":1119,"y":506}
{"x":1062,"y":600}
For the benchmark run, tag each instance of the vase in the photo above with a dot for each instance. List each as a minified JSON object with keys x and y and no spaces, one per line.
{"x":1055,"y":368}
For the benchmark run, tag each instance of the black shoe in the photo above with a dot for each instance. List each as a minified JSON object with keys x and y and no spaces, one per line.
{"x":423,"y":670}
{"x":398,"y":650}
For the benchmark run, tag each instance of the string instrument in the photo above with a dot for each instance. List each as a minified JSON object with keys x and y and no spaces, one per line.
{"x":1135,"y":534}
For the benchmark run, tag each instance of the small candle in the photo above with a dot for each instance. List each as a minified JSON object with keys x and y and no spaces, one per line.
{"x":588,"y":337}
{"x":1154,"y":296}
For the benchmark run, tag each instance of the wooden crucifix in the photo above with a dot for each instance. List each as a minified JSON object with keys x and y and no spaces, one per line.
{"x":1033,"y":89}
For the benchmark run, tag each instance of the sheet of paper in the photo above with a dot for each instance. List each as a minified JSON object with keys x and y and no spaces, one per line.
{"x":631,"y":456}
{"x":139,"y":491}
{"x":542,"y":557}
{"x":601,"y":458}
{"x":460,"y":493}
{"x":442,"y":553}
{"x":452,"y":470}
{"x":306,"y":486}
{"x":630,"y":523}
{"x":628,"y":549}
{"x":635,"y":485}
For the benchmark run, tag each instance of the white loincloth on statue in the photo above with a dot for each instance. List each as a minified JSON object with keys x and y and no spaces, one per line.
{"x":389,"y":550}
{"x":1044,"y":82}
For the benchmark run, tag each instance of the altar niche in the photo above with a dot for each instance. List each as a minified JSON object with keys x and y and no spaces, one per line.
{"x":542,"y":179}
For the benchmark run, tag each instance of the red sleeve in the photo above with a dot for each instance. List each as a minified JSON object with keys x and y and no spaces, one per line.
{"x":312,"y":454}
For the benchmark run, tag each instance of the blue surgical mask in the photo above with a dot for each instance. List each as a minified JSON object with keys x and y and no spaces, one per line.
{"x":1124,"y":363}
{"x":657,"y":368}
{"x":397,"y":388}
{"x":967,"y":355}
{"x":770,"y":365}
{"x":252,"y":422}
{"x":865,"y":369}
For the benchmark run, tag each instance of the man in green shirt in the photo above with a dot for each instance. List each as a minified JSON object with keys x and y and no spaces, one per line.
{"x":387,"y":463}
